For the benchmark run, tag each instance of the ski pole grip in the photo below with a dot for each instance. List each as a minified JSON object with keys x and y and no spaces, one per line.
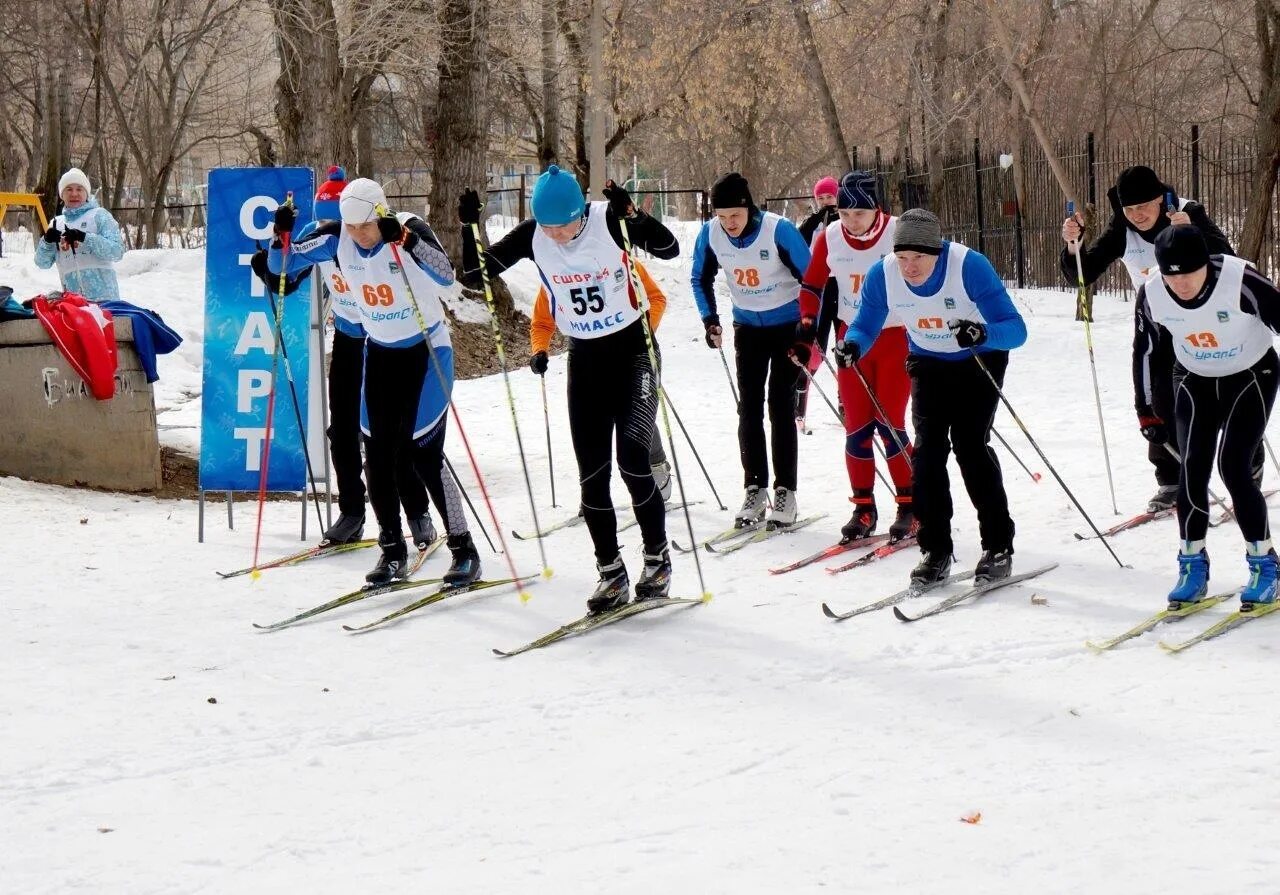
{"x":1071,"y":208}
{"x":1168,"y":201}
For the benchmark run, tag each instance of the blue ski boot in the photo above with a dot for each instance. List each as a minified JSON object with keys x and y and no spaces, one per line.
{"x":1193,"y":579}
{"x":1264,"y":580}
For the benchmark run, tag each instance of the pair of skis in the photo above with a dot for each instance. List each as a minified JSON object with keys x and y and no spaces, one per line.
{"x":1246,"y":613}
{"x":919,"y":590}
{"x":319,"y":551}
{"x":731,"y":540}
{"x":1145,"y":517}
{"x":593,"y":620}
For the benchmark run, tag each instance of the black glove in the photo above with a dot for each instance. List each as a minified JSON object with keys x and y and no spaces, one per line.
{"x":286,"y":217}
{"x":538,"y":363}
{"x":968,"y":333}
{"x":711,"y":324}
{"x":73,"y":235}
{"x":258,"y":264}
{"x":619,"y":199}
{"x":389,"y":228}
{"x":469,"y":207}
{"x":1153,"y":428}
{"x":847,"y":353}
{"x":53,"y":235}
{"x":802,"y":352}
{"x":806,"y":330}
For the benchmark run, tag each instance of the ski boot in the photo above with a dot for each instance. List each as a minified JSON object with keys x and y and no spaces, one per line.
{"x":1163,"y":500}
{"x":1264,"y":579}
{"x":465,"y":568}
{"x":784,"y":508}
{"x":934,"y":566}
{"x":865,"y":516}
{"x":993,"y":565}
{"x":1193,"y":578}
{"x":663,"y":479}
{"x":655,"y":580}
{"x":422,"y":532}
{"x":612,"y":590}
{"x":754,"y":505}
{"x":347,"y":530}
{"x":905,"y":524}
{"x":394,"y":562}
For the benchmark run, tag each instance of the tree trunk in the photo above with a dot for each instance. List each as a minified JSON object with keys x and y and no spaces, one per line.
{"x":1266,"y":131}
{"x":312,"y":108}
{"x":549,"y":144}
{"x":818,"y":79}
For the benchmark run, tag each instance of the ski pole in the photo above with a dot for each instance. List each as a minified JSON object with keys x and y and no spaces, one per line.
{"x":1017,"y":419}
{"x":1081,"y":301}
{"x":732,"y":388}
{"x":551,"y":463}
{"x":1035,"y":476}
{"x":457,"y":418}
{"x":696,"y":455}
{"x":265,"y":460}
{"x":472,"y":507}
{"x":813,"y":384}
{"x":663,"y":403}
{"x":511,"y":401}
{"x":1215,"y":498}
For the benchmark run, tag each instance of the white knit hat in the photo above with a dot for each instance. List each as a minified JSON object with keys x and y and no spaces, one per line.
{"x":361,"y":200}
{"x":74,"y":176}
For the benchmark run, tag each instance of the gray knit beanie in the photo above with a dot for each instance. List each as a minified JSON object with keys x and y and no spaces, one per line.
{"x":918,"y":231}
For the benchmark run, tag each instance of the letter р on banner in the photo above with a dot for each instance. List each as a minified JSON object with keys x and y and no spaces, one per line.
{"x":239,"y":335}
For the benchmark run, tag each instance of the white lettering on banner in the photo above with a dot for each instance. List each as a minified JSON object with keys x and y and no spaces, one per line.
{"x":252,"y":437}
{"x":252,"y":384}
{"x":249,"y":209}
{"x":256,"y":289}
{"x":256,"y":334}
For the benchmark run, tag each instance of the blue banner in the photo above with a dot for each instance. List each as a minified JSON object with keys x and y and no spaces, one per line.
{"x":239,"y":336}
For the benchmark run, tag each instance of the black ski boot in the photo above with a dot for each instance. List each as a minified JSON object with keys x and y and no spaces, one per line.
{"x":905,"y":523}
{"x":994,"y":565}
{"x":422,"y":532}
{"x":1165,"y":498}
{"x":934,"y":566}
{"x":612,"y":590}
{"x":465,"y":568}
{"x":394,"y":562}
{"x":655,"y":580}
{"x":347,"y":530}
{"x":865,"y":516}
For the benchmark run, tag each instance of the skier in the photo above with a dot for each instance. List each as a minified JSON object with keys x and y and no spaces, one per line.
{"x":956,"y":310}
{"x":1220,"y":314}
{"x":404,"y":401}
{"x":84,"y":240}
{"x":824,"y":194}
{"x":578,"y":248}
{"x":764,"y":257}
{"x":346,"y":377}
{"x":843,"y":253}
{"x":1140,"y":212}
{"x":542,"y":327}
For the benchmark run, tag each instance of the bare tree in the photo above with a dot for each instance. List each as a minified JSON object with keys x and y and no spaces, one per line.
{"x":1266,"y":130}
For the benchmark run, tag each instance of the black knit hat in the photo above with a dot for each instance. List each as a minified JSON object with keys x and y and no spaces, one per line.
{"x":857,"y":190}
{"x":1181,"y":249}
{"x":1139,"y":184}
{"x":918,"y":231}
{"x":731,"y":191}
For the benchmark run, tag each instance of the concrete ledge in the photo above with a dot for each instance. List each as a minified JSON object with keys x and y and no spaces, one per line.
{"x":53,"y":430}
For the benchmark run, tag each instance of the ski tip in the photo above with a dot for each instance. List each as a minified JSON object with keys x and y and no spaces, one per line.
{"x":500,"y":654}
{"x":261,"y":627}
{"x":1095,"y":647}
{"x":1169,"y":647}
{"x":828,"y":611}
{"x":900,"y":615}
{"x":1078,"y":536}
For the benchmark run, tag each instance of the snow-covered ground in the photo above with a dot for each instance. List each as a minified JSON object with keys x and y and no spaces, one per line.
{"x":749,"y":745}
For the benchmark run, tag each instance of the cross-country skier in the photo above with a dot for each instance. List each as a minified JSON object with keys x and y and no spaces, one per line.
{"x":764,"y":257}
{"x":578,"y":249}
{"x":404,"y":401}
{"x":843,"y":253}
{"x":1140,"y":212}
{"x":346,"y":378}
{"x":542,"y":326}
{"x":955,"y":309}
{"x":84,"y":240}
{"x":824,"y":194}
{"x":1220,"y":315}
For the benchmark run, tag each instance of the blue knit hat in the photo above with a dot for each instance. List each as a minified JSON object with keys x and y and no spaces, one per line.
{"x":557,"y":199}
{"x":326,"y":204}
{"x":857,"y":190}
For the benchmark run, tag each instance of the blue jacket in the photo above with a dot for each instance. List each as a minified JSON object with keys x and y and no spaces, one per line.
{"x":151,"y":335}
{"x":792,"y":250}
{"x":1005,"y":327}
{"x":102,"y":244}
